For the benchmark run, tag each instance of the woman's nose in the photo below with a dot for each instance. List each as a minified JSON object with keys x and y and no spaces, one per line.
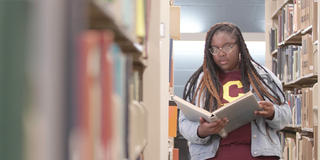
{"x":221,"y":53}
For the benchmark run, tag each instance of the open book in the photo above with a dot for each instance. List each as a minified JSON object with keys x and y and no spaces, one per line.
{"x":239,"y":112}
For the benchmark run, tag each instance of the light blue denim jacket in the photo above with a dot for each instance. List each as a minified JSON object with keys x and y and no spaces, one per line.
{"x":261,"y":145}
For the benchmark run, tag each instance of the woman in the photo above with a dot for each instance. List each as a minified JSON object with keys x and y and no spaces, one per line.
{"x":227,"y":72}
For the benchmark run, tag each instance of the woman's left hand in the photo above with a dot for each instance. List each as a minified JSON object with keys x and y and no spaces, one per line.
{"x":267,"y":110}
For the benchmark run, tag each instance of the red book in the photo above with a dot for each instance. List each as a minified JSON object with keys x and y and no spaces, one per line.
{"x":106,"y":100}
{"x":89,"y":43}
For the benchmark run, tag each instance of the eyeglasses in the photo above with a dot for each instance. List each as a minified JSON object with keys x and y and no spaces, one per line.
{"x":227,"y":48}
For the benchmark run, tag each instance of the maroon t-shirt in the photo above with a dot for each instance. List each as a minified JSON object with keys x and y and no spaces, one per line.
{"x":237,"y":145}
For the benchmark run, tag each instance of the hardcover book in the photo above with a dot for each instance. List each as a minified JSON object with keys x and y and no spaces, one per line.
{"x":239,"y":112}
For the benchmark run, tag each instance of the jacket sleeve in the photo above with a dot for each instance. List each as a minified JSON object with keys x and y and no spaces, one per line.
{"x":189,"y":130}
{"x":282,"y":113}
{"x":282,"y":117}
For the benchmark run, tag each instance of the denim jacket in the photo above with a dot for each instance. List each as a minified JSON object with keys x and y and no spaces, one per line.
{"x":261,"y":145}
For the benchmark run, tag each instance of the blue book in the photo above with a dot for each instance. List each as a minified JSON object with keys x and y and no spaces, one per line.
{"x":298,"y":110}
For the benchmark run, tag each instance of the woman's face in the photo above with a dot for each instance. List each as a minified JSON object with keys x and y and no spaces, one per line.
{"x":225,"y":51}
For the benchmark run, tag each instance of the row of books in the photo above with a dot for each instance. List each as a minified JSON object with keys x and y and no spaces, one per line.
{"x":292,"y":18}
{"x":303,"y":104}
{"x":286,"y":65}
{"x":130,"y":15}
{"x":293,"y":62}
{"x":298,"y":147}
{"x":109,"y":120}
{"x":285,"y":21}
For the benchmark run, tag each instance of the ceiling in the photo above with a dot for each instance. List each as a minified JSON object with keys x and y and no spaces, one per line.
{"x":198,"y":15}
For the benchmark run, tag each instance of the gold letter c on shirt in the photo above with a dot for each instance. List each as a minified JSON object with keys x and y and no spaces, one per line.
{"x":226,"y":92}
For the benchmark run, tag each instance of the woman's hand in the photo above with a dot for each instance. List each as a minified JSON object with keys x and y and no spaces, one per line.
{"x":208,"y":128}
{"x":267,"y":110}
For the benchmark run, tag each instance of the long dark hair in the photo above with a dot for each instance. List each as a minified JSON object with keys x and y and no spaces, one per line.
{"x":210,"y":86}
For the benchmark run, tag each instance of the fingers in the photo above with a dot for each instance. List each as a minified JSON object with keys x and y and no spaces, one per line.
{"x":225,"y":121}
{"x":209,"y":128}
{"x":261,"y":113}
{"x":267,"y":109}
{"x":265,"y":103}
{"x":219,"y":122}
{"x":217,"y":125}
{"x":202,"y":120}
{"x":221,"y":125}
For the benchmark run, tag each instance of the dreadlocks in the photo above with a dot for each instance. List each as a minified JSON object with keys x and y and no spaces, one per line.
{"x":209,"y":85}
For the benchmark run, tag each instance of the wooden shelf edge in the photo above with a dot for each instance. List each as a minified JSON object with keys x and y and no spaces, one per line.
{"x":308,"y":132}
{"x":140,"y":63}
{"x":307,"y":129}
{"x":100,"y":18}
{"x":303,"y":131}
{"x":291,"y":128}
{"x":274,"y":15}
{"x":293,"y":39}
{"x":316,"y":42}
{"x":281,"y":44}
{"x":274,"y":52}
{"x":302,"y":78}
{"x":311,"y":78}
{"x":307,"y":30}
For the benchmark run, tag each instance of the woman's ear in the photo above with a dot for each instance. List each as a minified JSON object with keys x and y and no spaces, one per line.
{"x":239,"y":56}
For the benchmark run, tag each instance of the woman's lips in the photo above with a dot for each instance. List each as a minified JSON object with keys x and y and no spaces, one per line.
{"x":223,"y":62}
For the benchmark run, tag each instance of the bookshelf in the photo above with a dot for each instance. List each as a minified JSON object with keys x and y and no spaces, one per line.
{"x":292,"y":54}
{"x":89,"y":79}
{"x":101,"y":18}
{"x":149,"y":65}
{"x":121,"y":131}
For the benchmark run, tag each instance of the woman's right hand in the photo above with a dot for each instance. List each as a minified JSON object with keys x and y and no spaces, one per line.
{"x":209,"y":128}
